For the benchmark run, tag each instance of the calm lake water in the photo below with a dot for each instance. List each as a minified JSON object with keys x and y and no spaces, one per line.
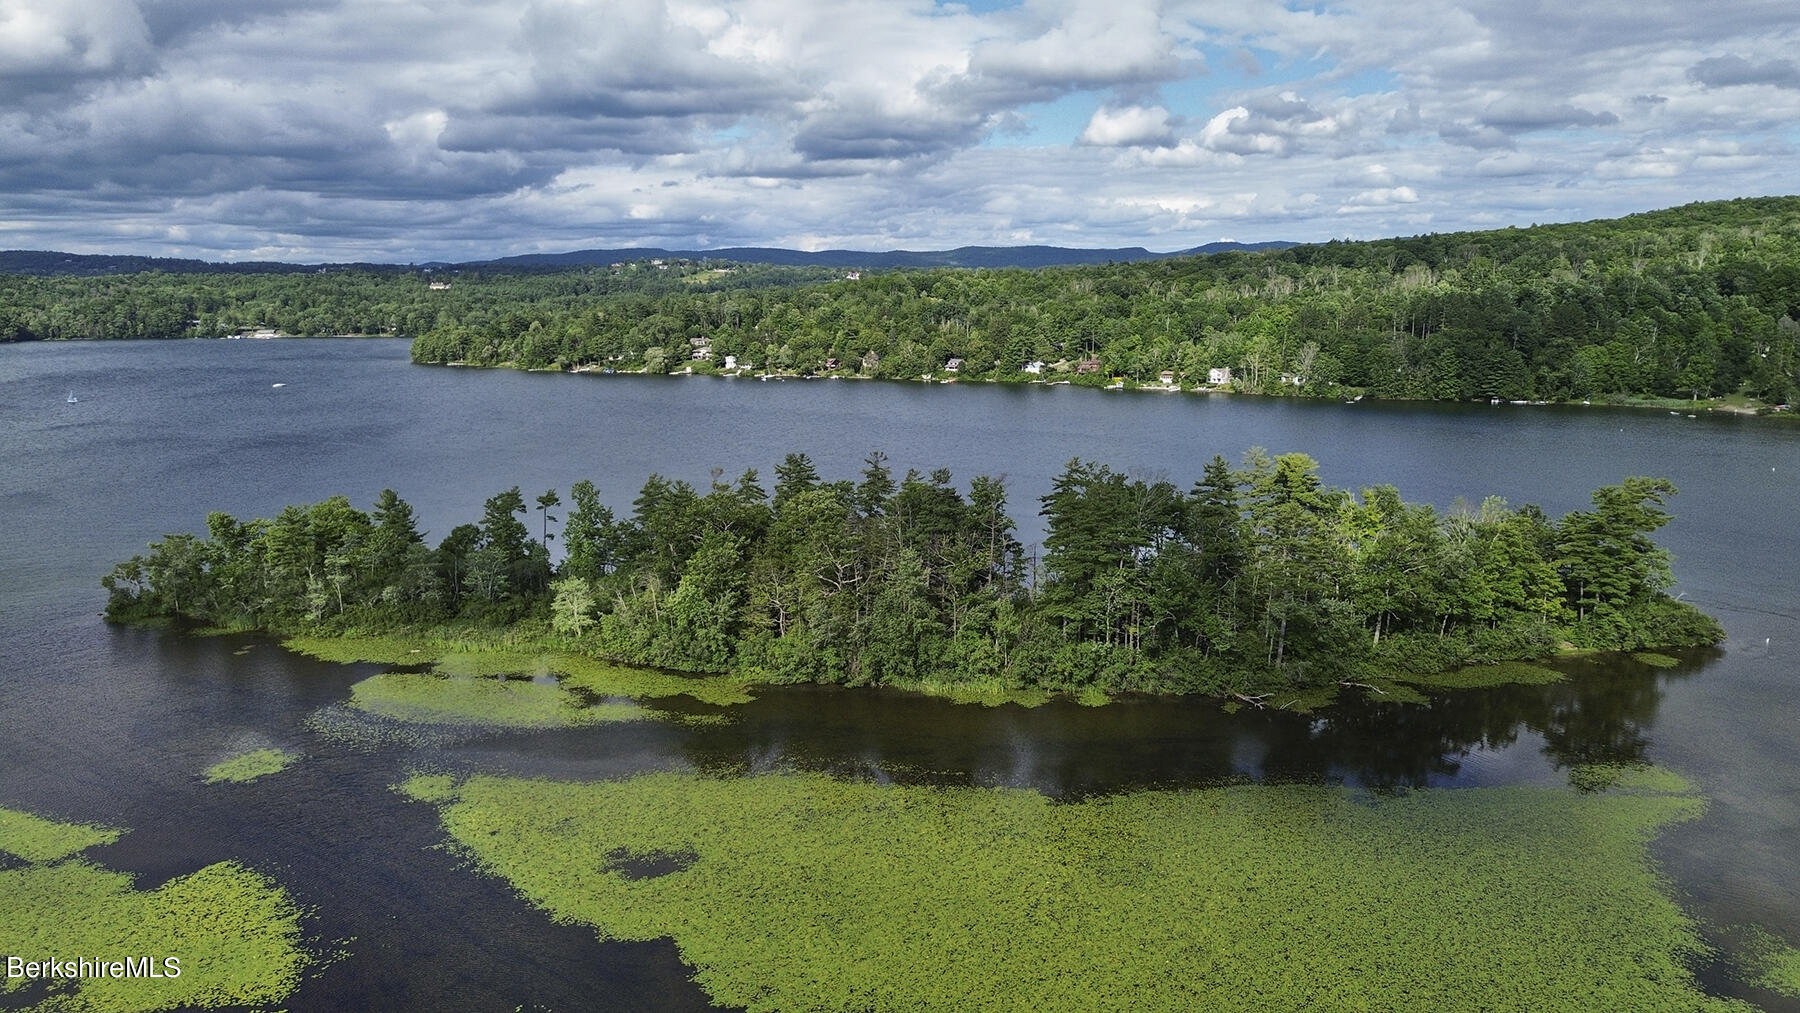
{"x":113,"y":726}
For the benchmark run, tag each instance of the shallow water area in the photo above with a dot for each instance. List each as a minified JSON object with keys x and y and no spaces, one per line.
{"x":117,"y":726}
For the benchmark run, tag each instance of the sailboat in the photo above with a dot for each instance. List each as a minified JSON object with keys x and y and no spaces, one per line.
{"x":72,"y":398}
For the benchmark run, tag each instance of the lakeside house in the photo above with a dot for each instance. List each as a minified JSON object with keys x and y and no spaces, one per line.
{"x":1087,"y":366}
{"x":953,"y":366}
{"x":833,"y":363}
{"x":1167,"y":377}
{"x":731,"y":362}
{"x":1034,"y":368}
{"x":438,"y":286}
{"x":871,"y":362}
{"x":1219,"y":376}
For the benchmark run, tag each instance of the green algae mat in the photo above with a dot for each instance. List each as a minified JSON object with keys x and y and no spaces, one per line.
{"x":498,"y":687}
{"x":233,"y":934}
{"x":802,"y":892}
{"x":248,"y":766}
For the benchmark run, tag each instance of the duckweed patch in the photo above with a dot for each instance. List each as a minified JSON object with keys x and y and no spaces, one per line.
{"x":36,"y":839}
{"x":1627,"y":777}
{"x":1769,"y":961}
{"x":495,"y":664}
{"x":251,"y":765}
{"x":426,"y":698}
{"x":1504,"y":673}
{"x":808,"y":892}
{"x":382,"y":650}
{"x":429,"y":787}
{"x":1655,"y":660}
{"x":235,"y":932}
{"x":473,"y":660}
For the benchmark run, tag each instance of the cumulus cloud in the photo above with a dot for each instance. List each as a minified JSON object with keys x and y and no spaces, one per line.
{"x":327,"y":129}
{"x":79,"y":37}
{"x":1128,"y":126}
{"x":1383,"y":196}
{"x":1076,"y":44}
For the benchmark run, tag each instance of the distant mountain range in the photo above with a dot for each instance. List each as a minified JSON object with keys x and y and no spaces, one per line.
{"x":49,"y":262}
{"x":962,"y":256}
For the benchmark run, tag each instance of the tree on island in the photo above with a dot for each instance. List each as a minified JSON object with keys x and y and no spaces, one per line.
{"x":1257,"y":577}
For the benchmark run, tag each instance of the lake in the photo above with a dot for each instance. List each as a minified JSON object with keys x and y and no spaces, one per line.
{"x":112,"y":726}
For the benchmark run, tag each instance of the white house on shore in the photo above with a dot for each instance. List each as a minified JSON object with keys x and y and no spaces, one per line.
{"x":1219,"y":376}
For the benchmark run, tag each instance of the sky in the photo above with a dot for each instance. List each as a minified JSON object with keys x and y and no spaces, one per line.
{"x":411,"y":130}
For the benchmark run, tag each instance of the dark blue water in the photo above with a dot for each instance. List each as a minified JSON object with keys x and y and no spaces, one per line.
{"x":113,"y":726}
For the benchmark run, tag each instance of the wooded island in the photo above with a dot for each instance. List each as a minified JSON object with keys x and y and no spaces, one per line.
{"x":1257,"y":578}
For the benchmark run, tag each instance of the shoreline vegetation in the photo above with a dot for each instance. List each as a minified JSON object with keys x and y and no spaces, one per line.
{"x":1722,"y":404}
{"x":1258,"y":585}
{"x":1673,"y":307}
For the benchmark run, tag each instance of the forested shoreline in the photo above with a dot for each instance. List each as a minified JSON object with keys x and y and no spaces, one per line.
{"x":1256,"y":578}
{"x":1693,"y":302}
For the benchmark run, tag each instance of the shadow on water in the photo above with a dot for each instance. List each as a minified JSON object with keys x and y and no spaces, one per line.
{"x":1603,"y":713}
{"x":1503,"y":735}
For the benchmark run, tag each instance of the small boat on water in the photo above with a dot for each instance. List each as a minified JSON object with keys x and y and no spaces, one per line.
{"x":73,"y":399}
{"x":278,"y":385}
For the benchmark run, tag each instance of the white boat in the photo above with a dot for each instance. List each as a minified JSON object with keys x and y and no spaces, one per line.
{"x":73,"y":399}
{"x":278,"y":385}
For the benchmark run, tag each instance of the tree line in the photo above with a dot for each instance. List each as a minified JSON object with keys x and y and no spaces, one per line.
{"x":1693,"y":302}
{"x":1256,"y":577}
{"x":364,"y":300}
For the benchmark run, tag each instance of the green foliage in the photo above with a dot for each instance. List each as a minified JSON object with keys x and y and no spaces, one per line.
{"x":251,"y":765}
{"x":1689,"y":302}
{"x":985,"y":694}
{"x":1258,"y":580}
{"x":235,"y":932}
{"x":804,"y":892}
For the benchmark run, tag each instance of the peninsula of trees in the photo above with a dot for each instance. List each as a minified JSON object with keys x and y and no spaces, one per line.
{"x":1691,"y":302}
{"x":1258,"y":577}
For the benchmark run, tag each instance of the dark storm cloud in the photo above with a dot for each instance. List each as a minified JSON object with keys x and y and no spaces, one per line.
{"x":851,"y":134}
{"x":1518,"y":117}
{"x":1725,"y":71}
{"x":1471,"y":135}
